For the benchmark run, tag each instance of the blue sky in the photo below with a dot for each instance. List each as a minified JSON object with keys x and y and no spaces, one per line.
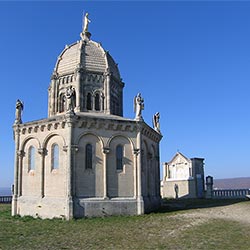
{"x":190,"y":61}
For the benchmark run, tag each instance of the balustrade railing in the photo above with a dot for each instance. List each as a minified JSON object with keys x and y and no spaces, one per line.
{"x":230,"y":193}
{"x":5,"y":199}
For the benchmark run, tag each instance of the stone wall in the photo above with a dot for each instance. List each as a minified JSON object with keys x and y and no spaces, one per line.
{"x":186,"y":189}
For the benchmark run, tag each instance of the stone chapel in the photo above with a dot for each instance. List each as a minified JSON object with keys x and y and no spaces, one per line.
{"x":86,"y":159}
{"x":183,"y":177}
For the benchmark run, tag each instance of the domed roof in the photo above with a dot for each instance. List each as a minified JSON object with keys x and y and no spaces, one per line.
{"x":90,"y":74}
{"x":88,"y":55}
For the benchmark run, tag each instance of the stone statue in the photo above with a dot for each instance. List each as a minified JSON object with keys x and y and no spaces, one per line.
{"x":86,"y":23}
{"x":19,"y":109}
{"x":70,"y":95}
{"x":176,"y":189}
{"x":156,"y":122}
{"x":138,"y":106}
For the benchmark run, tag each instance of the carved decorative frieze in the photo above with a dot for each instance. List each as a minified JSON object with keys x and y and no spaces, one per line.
{"x":49,"y":126}
{"x":36,"y":129}
{"x":91,"y":77}
{"x":81,"y":122}
{"x":151,"y":134}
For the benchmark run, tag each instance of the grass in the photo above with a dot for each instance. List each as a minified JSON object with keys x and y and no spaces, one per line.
{"x":164,"y":230}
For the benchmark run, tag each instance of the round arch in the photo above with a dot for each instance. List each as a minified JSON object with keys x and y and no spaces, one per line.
{"x":27,"y":140}
{"x":92,"y":134}
{"x":48,"y":137}
{"x":119,"y":135}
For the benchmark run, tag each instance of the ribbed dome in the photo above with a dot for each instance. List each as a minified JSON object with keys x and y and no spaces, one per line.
{"x":90,"y":74}
{"x":88,"y":55}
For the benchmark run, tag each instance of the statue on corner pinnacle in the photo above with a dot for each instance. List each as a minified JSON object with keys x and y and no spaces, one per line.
{"x":138,"y":107}
{"x":19,"y":109}
{"x":156,"y":122}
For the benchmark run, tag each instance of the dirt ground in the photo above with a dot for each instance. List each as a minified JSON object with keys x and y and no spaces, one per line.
{"x":239,"y":212}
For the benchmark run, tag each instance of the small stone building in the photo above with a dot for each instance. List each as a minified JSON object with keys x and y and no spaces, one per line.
{"x":183,"y":177}
{"x":85,"y":159}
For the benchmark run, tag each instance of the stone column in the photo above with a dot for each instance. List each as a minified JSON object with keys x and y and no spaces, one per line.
{"x":102,"y":104}
{"x":157,"y":177}
{"x":74,"y":149}
{"x":78,"y":88}
{"x":136,"y":152}
{"x":43,"y":153}
{"x":105,"y":164}
{"x":164,"y":172}
{"x":52,"y":95}
{"x":20,"y":173}
{"x":70,"y":119}
{"x":158,"y":171}
{"x":78,"y":75}
{"x":16,"y":173}
{"x":140,"y":206}
{"x":107,"y":91}
{"x":149,"y":169}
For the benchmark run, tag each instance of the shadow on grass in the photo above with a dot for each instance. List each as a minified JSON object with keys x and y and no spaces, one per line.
{"x":171,"y":205}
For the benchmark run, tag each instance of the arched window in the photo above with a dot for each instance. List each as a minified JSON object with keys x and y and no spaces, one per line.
{"x":119,"y":157}
{"x":97,"y":102}
{"x":31,"y":158}
{"x":55,"y":156}
{"x":88,"y":156}
{"x":89,"y":101}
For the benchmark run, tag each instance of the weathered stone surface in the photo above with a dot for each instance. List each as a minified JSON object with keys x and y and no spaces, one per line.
{"x":183,"y":177}
{"x":82,"y":178}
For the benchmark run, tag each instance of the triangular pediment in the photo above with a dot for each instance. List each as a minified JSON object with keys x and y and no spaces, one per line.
{"x":179,"y":158}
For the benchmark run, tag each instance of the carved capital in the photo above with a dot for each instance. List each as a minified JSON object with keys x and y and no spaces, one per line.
{"x":54,"y":76}
{"x":75,"y":148}
{"x":42,"y":151}
{"x":70,"y":118}
{"x":20,"y":153}
{"x":108,"y":71}
{"x":157,"y":158}
{"x":136,"y":151}
{"x":149,"y":156}
{"x":65,"y":148}
{"x":106,"y":150}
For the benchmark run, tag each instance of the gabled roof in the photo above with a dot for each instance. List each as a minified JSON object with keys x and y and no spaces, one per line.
{"x":179,"y":154}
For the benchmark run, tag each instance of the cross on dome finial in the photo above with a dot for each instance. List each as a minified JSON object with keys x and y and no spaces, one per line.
{"x":85,"y":26}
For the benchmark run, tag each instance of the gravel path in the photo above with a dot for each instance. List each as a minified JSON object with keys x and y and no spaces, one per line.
{"x":239,"y":212}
